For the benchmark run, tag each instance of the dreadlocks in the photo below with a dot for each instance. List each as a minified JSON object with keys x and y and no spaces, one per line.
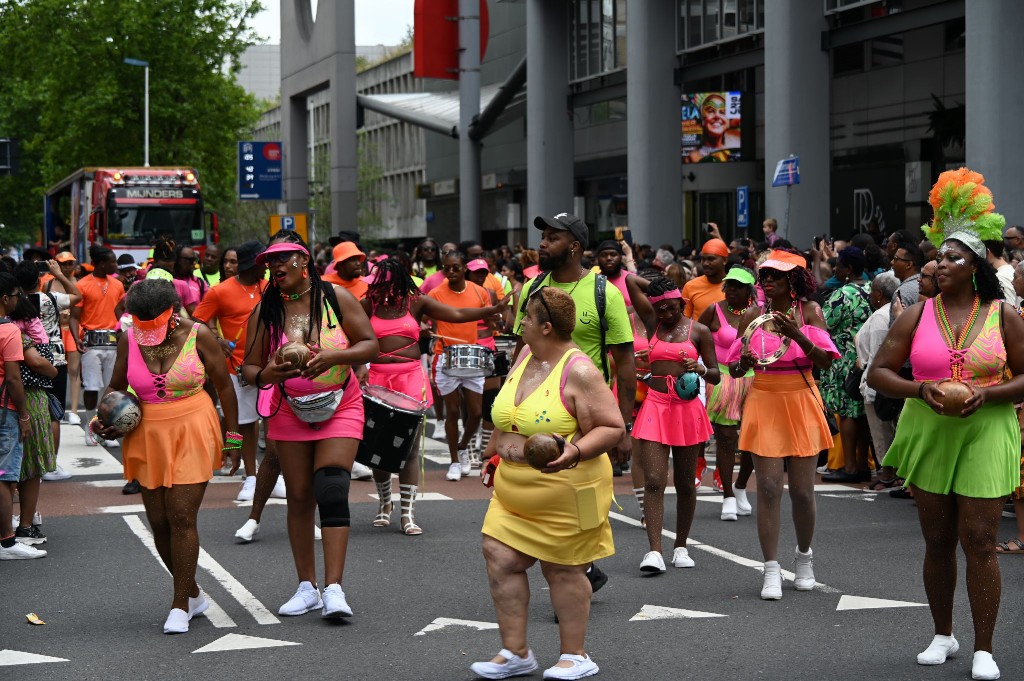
{"x":392,"y":284}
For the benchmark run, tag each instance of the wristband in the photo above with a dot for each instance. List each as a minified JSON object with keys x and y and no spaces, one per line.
{"x":232,"y":435}
{"x":920,"y":390}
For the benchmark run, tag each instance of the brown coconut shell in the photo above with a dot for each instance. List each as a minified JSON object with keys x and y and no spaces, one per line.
{"x":296,"y":353}
{"x":541,"y":449}
{"x":954,"y":395}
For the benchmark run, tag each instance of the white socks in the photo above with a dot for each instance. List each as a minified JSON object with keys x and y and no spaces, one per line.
{"x":941,"y":647}
{"x":984,"y":666}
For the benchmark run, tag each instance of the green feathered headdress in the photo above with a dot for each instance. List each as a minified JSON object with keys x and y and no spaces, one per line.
{"x":963,"y":210}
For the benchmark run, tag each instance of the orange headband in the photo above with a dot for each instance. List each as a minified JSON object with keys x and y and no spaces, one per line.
{"x":715,"y":247}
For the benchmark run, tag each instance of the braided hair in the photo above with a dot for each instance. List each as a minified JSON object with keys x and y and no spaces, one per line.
{"x":660,"y":285}
{"x":801,"y":281}
{"x":272,"y":305}
{"x":392,"y":284}
{"x":165,"y":249}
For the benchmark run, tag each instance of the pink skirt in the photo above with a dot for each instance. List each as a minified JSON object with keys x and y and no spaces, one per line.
{"x":408,"y":378}
{"x":286,"y":426}
{"x":671,"y":420}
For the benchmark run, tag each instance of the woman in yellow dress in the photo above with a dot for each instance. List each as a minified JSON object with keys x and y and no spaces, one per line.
{"x":558,"y":515}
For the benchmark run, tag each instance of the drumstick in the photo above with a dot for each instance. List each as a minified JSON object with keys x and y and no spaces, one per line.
{"x":437,"y":335}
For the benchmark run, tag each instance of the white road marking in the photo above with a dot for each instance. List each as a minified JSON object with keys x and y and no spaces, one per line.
{"x":79,"y":460}
{"x":739,"y":560}
{"x":442,"y":622}
{"x":659,"y":612}
{"x":270,"y":502}
{"x":120,"y":483}
{"x":236,"y":589}
{"x":241,"y":642}
{"x":420,"y":496}
{"x":865,"y":603}
{"x":123,"y":508}
{"x":214,"y":613}
{"x":9,"y":658}
{"x":858,"y":497}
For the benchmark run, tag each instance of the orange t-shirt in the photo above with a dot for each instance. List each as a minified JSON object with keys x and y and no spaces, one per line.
{"x":99,"y":299}
{"x":231,"y":304}
{"x":472,"y":296}
{"x":43,"y":278}
{"x":357,"y":287}
{"x":10,"y":351}
{"x":700,"y":294}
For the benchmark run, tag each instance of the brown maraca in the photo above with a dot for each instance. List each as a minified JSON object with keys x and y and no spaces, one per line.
{"x":954,"y":395}
{"x":295,"y":352}
{"x":541,"y":449}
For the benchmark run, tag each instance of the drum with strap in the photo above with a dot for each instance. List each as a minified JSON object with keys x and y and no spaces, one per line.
{"x":467,"y":361}
{"x":391,"y":428}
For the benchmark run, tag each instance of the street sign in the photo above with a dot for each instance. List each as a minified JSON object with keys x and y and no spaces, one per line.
{"x":260,"y":171}
{"x":294,"y":223}
{"x":787,"y":172}
{"x":743,"y":207}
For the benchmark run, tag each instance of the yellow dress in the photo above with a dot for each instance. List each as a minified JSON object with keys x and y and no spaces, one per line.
{"x":559,"y":518}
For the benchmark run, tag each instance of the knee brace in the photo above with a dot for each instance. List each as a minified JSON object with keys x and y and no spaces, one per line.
{"x":330,"y":487}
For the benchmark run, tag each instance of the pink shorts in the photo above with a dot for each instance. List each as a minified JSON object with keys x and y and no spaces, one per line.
{"x":671,"y":420}
{"x":284,"y":425}
{"x":408,"y":378}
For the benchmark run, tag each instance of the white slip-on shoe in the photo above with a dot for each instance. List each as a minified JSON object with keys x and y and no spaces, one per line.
{"x":248,"y":531}
{"x":582,"y":667}
{"x":804,"y":571}
{"x":729,"y":509}
{"x":512,"y":666}
{"x":464,"y":462}
{"x":198,"y":605}
{"x":454,"y":472}
{"x":280,"y":491}
{"x":652,"y":562}
{"x":177,"y":622}
{"x":681,"y":558}
{"x":984,"y":667}
{"x":248,"y":490}
{"x":306,"y":598}
{"x":743,"y":506}
{"x":56,"y":474}
{"x":772,"y":588}
{"x":72,"y":419}
{"x":939,"y":650}
{"x":335,"y":605}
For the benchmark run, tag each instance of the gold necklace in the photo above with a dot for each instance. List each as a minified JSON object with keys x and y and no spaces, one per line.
{"x":155,"y":352}
{"x":251,"y":290}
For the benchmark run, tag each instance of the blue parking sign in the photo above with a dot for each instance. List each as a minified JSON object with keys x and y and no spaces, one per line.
{"x":743,"y":207}
{"x":260,"y":171}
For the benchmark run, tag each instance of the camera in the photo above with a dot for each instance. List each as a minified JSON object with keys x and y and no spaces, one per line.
{"x":706,"y":226}
{"x":42,"y":266}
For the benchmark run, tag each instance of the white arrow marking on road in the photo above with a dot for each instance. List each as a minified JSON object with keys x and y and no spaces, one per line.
{"x":214,"y":613}
{"x":9,"y":658}
{"x":442,"y":622}
{"x":241,"y":642}
{"x":865,"y":603}
{"x":659,"y":612}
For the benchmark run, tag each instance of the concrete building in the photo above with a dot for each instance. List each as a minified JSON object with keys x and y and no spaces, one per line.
{"x":260,"y":72}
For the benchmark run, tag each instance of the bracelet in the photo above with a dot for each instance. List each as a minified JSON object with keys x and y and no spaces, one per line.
{"x":232,"y":435}
{"x":27,"y":418}
{"x":705,"y":371}
{"x":257,"y":381}
{"x":579,"y":455}
{"x":920,"y":390}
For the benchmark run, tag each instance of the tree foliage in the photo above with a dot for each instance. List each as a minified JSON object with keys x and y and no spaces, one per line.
{"x":68,"y":96}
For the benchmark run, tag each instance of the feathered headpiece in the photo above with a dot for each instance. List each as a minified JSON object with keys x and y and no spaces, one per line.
{"x":962,"y":207}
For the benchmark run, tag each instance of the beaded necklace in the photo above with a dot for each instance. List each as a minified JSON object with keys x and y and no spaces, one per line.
{"x":740,"y":311}
{"x":956,"y":344}
{"x":296,"y":296}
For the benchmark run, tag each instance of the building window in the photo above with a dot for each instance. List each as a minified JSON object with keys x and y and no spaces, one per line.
{"x":597,"y":37}
{"x":704,"y":22}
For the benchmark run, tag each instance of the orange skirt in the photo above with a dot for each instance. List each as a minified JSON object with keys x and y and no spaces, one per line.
{"x":782,"y":417}
{"x":177,"y":443}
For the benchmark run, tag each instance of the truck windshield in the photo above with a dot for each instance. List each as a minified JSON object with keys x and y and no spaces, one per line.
{"x":143,"y":225}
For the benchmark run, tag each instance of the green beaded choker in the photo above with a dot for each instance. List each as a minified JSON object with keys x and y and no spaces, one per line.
{"x":296,"y":296}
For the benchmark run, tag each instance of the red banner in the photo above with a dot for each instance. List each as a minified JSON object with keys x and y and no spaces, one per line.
{"x":436,"y":38}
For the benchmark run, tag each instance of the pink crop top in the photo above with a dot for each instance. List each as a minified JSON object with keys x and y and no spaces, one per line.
{"x":332,"y":337}
{"x":725,"y":336}
{"x":184,"y":379}
{"x":794,"y":360}
{"x":664,"y":351}
{"x":620,"y":283}
{"x":984,"y":361}
{"x":403,"y":327}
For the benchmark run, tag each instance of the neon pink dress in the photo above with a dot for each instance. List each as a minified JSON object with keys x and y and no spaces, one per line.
{"x":406,"y":376}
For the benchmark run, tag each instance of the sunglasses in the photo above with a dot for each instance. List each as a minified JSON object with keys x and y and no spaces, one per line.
{"x":540,"y":296}
{"x":452,"y":268}
{"x":775,"y":275}
{"x":279,"y":258}
{"x":896,"y":257}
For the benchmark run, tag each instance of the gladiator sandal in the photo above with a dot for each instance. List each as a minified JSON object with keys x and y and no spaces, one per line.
{"x":383,"y":518}
{"x":638,"y":492}
{"x":407,"y":498}
{"x":484,"y":440}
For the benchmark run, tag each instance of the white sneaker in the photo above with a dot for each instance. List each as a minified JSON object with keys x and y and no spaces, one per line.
{"x":56,"y":474}
{"x":248,"y":490}
{"x":111,"y":443}
{"x":306,"y":598}
{"x":177,"y":622}
{"x":681,"y":558}
{"x":512,"y":666}
{"x":464,"y":462}
{"x":772,"y":588}
{"x":454,"y":472}
{"x":90,"y":441}
{"x":21,"y":552}
{"x":941,"y":648}
{"x":361,"y":471}
{"x":984,"y":667}
{"x":279,"y":489}
{"x":248,"y":531}
{"x":729,"y":508}
{"x":804,"y":580}
{"x":317,"y":536}
{"x":743,"y":506}
{"x":582,"y":667}
{"x":72,"y":419}
{"x":652,"y":562}
{"x":198,"y":605}
{"x":334,"y":602}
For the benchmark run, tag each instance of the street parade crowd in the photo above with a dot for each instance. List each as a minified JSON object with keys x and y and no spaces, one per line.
{"x":880,"y":361}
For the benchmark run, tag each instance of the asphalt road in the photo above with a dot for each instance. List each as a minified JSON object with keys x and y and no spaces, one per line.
{"x":104,"y":596}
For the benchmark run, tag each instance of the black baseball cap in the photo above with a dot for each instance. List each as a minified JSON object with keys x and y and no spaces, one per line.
{"x":247,"y":253}
{"x":609,"y":245}
{"x":34,"y":252}
{"x":126,"y":261}
{"x":566,"y":223}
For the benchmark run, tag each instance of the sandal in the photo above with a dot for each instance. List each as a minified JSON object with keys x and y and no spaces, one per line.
{"x":383,"y":518}
{"x":901,"y":493}
{"x":881,"y":485}
{"x":1005,"y":547}
{"x":407,"y":498}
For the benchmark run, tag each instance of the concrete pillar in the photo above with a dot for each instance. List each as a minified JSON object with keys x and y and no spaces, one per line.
{"x":469,"y":109}
{"x":295,"y":136}
{"x":549,"y":130}
{"x":652,"y":123}
{"x":796,"y":117}
{"x":994,"y":143}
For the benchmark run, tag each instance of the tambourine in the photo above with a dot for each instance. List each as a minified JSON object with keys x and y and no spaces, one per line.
{"x":768,"y":322}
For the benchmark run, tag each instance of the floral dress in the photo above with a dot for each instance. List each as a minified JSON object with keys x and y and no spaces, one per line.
{"x":845,"y":312}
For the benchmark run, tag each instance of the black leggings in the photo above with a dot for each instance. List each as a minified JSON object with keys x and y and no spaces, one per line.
{"x":60,"y":384}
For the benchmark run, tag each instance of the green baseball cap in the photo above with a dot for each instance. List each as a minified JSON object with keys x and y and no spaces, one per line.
{"x":741,"y":275}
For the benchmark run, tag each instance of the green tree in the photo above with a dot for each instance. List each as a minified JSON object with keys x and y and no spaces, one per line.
{"x":70,"y":99}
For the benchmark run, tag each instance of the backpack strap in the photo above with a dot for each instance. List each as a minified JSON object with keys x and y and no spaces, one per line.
{"x":600,"y":299}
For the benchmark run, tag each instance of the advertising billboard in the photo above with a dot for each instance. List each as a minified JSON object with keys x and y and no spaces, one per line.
{"x":710,"y":127}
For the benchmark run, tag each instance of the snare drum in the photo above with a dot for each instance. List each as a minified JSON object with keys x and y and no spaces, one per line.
{"x":391,"y":428}
{"x":98,"y":338}
{"x":506,"y":347}
{"x":467,"y":361}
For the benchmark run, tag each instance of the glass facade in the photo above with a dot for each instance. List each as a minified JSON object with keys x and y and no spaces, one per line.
{"x":597,"y":30}
{"x":704,"y":22}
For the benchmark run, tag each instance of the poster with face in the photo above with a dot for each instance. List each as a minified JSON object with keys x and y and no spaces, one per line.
{"x":710,"y":127}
